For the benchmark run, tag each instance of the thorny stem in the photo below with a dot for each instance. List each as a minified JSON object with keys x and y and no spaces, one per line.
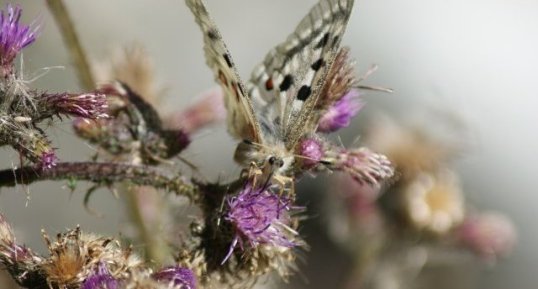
{"x":72,"y":42}
{"x":102,"y":174}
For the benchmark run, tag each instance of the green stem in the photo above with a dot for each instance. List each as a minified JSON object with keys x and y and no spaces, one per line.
{"x":139,"y":200}
{"x":72,"y":42}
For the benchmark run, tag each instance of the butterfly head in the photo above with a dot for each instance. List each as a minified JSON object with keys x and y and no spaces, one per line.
{"x":272,"y":158}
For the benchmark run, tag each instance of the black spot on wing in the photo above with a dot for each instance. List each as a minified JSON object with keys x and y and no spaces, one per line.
{"x":212,"y":35}
{"x":323,"y":41}
{"x":228,"y":60}
{"x":335,"y":40}
{"x":318,"y":64}
{"x":304,"y":93}
{"x":286,"y":83}
{"x":241,"y":90}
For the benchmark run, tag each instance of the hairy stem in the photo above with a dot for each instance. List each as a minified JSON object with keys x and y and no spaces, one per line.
{"x":70,"y":37}
{"x":101,"y":173}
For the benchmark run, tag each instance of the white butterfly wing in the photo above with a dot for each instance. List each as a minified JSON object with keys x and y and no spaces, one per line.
{"x":241,"y":121}
{"x":286,"y":86}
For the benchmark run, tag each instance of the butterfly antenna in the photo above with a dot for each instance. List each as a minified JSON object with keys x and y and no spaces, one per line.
{"x":369,"y":72}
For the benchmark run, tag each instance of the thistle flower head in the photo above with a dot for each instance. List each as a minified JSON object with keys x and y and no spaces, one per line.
{"x":6,"y":234}
{"x":312,"y":151}
{"x":340,"y":79}
{"x":34,"y":146}
{"x":339,"y":115}
{"x":74,"y":256}
{"x":490,"y":235}
{"x":260,"y":217}
{"x":178,"y":277}
{"x":363,"y":165}
{"x":434,"y":202}
{"x":100,"y":279}
{"x":48,"y":159}
{"x":14,"y":36}
{"x":86,"y":105}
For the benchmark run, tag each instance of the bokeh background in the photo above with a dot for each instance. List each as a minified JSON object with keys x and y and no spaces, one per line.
{"x":476,"y":60}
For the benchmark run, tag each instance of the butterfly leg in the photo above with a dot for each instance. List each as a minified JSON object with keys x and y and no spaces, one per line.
{"x":286,"y":185}
{"x":254,"y":172}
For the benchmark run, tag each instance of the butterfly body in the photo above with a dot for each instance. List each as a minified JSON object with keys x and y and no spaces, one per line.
{"x":276,"y":157}
{"x":279,"y":105}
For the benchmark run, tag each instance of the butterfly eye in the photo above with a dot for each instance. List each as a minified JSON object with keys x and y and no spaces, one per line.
{"x":274,"y":161}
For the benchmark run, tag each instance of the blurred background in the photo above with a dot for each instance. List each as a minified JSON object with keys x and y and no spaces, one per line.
{"x":475,"y":61}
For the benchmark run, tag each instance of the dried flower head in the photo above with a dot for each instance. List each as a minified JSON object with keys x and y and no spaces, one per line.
{"x":340,"y":114}
{"x":75,"y":256}
{"x":177,"y":277}
{"x":17,"y":259}
{"x":6,"y":234}
{"x":14,"y":36}
{"x":490,"y":235}
{"x":260,"y":217}
{"x":101,"y":279}
{"x":339,"y":81}
{"x":434,"y":202}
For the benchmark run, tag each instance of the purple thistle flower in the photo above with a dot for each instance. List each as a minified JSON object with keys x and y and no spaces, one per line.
{"x":9,"y":250}
{"x":312,"y":151}
{"x":86,"y":105}
{"x":339,"y":115}
{"x":101,"y":279}
{"x":13,"y":36}
{"x":179,"y":277}
{"x":259,"y":217}
{"x":48,"y":160}
{"x":489,"y":234}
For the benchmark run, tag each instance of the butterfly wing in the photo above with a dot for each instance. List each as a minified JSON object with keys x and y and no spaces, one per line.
{"x":287,"y":85}
{"x":241,"y":121}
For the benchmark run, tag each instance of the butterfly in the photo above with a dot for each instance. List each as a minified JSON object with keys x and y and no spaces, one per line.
{"x":279,"y":104}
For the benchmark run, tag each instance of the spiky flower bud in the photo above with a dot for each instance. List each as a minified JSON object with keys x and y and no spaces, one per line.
{"x":311,"y":150}
{"x":6,"y":234}
{"x":14,"y":36}
{"x":17,"y":259}
{"x":48,"y":159}
{"x":490,"y":235}
{"x":340,"y":114}
{"x":363,"y":165}
{"x":177,"y":277}
{"x":31,"y":144}
{"x":260,"y":217}
{"x":339,"y":81}
{"x":86,"y":105}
